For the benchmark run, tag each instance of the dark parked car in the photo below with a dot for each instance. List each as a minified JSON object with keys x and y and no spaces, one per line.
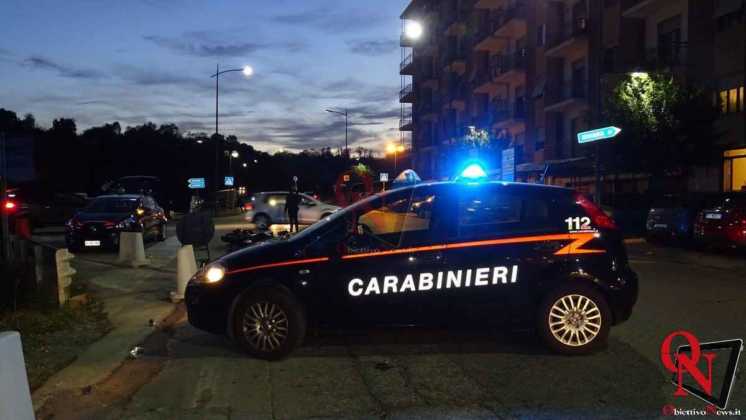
{"x":461,"y":254}
{"x":98,"y":225}
{"x":670,"y":217}
{"x":723,"y":224}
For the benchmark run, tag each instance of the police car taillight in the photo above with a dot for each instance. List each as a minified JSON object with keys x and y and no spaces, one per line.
{"x":598,"y":217}
{"x":9,"y":206}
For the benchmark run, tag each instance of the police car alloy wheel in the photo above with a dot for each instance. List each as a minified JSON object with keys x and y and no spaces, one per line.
{"x":269,"y":323}
{"x":574,"y":319}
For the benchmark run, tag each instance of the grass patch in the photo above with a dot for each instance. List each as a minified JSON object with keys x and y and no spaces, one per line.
{"x":53,"y":338}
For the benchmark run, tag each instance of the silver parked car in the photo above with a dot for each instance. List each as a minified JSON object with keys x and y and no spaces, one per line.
{"x":268,"y":208}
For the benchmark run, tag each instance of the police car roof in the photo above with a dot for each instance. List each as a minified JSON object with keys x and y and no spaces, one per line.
{"x":125,"y":196}
{"x":517,"y":185}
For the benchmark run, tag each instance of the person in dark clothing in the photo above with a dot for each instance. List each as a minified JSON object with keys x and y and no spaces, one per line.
{"x":292,"y":204}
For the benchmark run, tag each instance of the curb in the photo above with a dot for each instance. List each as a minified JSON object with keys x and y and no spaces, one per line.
{"x":635,"y":241}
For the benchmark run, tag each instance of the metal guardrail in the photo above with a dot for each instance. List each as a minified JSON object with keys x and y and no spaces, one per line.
{"x":406,"y":62}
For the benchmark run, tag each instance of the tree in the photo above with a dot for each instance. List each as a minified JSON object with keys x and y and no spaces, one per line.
{"x":666,"y":127}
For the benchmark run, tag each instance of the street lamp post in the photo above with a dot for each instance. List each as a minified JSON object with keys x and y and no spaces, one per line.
{"x":248,"y":71}
{"x":394,"y":149}
{"x":344,"y":112}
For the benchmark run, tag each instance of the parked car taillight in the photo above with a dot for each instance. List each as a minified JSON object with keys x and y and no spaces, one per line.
{"x":248,"y":206}
{"x":9,"y":206}
{"x":598,"y":217}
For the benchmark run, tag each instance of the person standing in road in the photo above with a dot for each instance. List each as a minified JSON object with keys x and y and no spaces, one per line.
{"x":292,"y":204}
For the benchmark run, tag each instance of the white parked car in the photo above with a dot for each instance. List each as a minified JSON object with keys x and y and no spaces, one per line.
{"x":268,"y":208}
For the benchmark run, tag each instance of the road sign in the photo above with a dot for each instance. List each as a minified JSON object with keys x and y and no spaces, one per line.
{"x":384,"y":177}
{"x":196,"y":183}
{"x":508,"y":165}
{"x":228,"y":181}
{"x":598,"y":134}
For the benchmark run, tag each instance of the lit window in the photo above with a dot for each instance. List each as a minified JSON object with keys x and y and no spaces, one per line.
{"x":742,"y":98}
{"x":733,"y":100}
{"x":724,"y":101}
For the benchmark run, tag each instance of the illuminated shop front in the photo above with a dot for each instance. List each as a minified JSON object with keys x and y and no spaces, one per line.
{"x":734,"y":170}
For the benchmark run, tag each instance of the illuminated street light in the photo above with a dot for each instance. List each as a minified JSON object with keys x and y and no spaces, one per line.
{"x":247,"y":71}
{"x":394,"y":149}
{"x":245,"y":165}
{"x":234,"y":154}
{"x":413,"y":29}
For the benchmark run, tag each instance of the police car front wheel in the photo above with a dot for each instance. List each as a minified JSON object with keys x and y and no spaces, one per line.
{"x":574,"y":319}
{"x":269,"y":324}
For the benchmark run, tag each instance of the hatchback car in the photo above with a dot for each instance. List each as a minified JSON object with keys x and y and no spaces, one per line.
{"x":98,"y":225}
{"x":268,"y":208}
{"x":455,"y":254}
{"x":723,"y":224}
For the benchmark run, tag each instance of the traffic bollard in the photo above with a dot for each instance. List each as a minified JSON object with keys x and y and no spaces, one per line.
{"x":186,"y":267}
{"x":132,"y":249}
{"x":15,"y":396}
{"x":65,"y":274}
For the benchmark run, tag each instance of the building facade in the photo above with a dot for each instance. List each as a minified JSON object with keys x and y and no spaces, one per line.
{"x":532,"y":73}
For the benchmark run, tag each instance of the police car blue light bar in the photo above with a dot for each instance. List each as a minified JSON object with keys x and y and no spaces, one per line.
{"x":473,"y":171}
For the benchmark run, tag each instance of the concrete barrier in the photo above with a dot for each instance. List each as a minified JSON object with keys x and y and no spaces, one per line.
{"x":132,"y":249}
{"x":15,"y":396}
{"x":186,"y":267}
{"x":65,"y":273}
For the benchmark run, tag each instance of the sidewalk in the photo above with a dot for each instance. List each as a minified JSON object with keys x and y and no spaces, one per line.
{"x":131,"y":298}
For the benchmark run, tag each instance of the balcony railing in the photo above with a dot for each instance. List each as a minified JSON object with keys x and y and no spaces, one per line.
{"x":503,"y":63}
{"x":497,"y":18}
{"x":506,"y":110}
{"x":578,"y":28}
{"x":406,"y":62}
{"x":405,"y":123}
{"x":407,"y":93}
{"x":566,"y":90}
{"x":667,"y":55}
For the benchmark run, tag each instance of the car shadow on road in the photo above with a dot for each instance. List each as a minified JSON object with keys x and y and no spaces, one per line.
{"x":512,"y":369}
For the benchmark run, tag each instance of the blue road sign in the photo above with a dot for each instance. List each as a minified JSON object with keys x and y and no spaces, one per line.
{"x":598,"y":134}
{"x":196,"y":183}
{"x":228,"y":181}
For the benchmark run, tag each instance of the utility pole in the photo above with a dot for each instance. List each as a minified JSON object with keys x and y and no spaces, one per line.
{"x":217,"y":139}
{"x":3,"y":197}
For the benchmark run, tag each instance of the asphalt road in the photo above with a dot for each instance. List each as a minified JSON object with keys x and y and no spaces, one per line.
{"x":441,"y":374}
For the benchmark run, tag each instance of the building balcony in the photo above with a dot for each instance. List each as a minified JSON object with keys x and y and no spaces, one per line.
{"x":510,"y":115}
{"x":571,"y":41}
{"x":566,"y":96}
{"x":668,"y":56}
{"x":642,"y":9}
{"x":509,"y":68}
{"x":429,"y":108}
{"x":490,"y":4}
{"x":406,"y":123}
{"x":454,"y":59}
{"x":407,"y":94}
{"x":457,"y":94}
{"x":406,"y":67}
{"x":508,"y":22}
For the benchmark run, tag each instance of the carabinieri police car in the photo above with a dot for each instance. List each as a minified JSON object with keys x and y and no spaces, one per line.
{"x":461,"y":253}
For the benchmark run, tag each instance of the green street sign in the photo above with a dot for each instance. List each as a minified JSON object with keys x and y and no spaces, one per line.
{"x":598,"y":134}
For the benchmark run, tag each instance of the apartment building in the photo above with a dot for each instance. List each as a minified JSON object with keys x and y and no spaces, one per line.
{"x":531,"y":74}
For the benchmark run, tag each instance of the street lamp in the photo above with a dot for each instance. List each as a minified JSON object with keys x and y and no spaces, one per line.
{"x":343,"y":112}
{"x":247,"y":71}
{"x":394,"y":149}
{"x":413,"y":29}
{"x":233,"y":155}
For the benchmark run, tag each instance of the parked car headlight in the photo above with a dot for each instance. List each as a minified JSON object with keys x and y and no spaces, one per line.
{"x":214,"y":273}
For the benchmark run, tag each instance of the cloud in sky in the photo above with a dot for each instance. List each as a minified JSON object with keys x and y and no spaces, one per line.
{"x":42,"y":63}
{"x":373,"y":47}
{"x":156,"y":66}
{"x":333,"y":20}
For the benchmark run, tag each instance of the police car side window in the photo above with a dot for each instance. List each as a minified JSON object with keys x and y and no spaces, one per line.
{"x":484,"y":213}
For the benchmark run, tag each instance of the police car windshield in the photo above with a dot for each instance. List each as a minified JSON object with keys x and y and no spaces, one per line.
{"x":344,"y":213}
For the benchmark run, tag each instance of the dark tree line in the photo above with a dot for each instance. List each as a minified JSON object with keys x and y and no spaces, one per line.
{"x":68,"y":161}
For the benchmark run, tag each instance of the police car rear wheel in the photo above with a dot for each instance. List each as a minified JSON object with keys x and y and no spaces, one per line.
{"x":574,"y":320}
{"x":269,"y":324}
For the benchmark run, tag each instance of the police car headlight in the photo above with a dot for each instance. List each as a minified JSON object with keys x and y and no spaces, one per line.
{"x":214,"y":273}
